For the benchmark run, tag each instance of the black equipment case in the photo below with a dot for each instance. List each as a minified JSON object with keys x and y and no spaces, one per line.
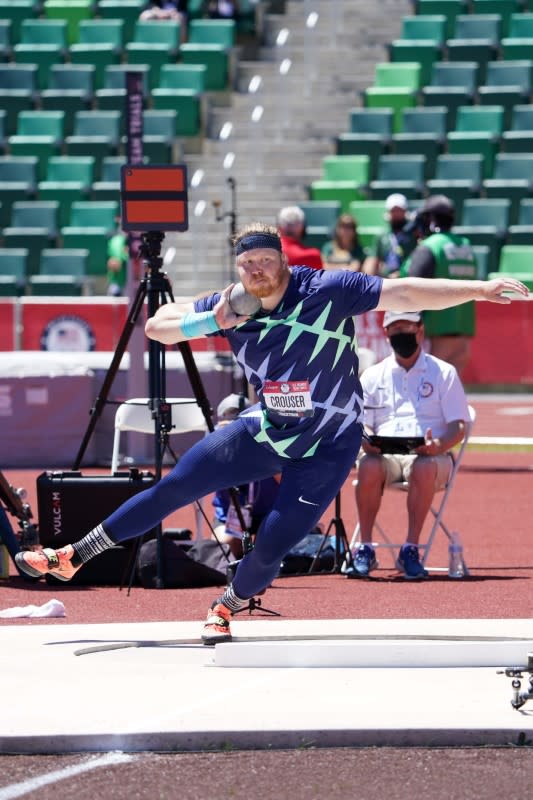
{"x":71,"y":504}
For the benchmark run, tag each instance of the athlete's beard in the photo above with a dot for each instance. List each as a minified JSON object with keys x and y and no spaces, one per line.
{"x":269,"y":284}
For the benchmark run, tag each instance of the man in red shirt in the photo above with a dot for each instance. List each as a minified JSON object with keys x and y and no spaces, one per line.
{"x":291,"y":226}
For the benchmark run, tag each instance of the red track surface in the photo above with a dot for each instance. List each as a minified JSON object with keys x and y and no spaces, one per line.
{"x":490,"y":506}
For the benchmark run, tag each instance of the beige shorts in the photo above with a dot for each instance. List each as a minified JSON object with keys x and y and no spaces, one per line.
{"x":398,"y":468}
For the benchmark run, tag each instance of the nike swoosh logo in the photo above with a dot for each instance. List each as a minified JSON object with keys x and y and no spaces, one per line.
{"x":307,"y":502}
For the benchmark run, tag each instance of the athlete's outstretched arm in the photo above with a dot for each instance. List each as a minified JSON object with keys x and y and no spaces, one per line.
{"x":419,"y":294}
{"x":178,"y":322}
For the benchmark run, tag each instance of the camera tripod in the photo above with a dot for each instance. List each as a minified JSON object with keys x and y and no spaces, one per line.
{"x":342,"y":546}
{"x":155,"y":287}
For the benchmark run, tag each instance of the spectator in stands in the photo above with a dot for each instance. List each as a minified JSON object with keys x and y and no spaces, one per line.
{"x":166,"y":9}
{"x":392,"y":247}
{"x":117,"y":264}
{"x":291,"y":227}
{"x":161,"y":10}
{"x":443,"y":254}
{"x":256,"y":498}
{"x":344,"y":251}
{"x":222,"y":9}
{"x":407,"y":394}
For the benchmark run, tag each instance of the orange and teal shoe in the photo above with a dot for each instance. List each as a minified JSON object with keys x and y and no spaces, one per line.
{"x":217,"y":625}
{"x":48,"y":562}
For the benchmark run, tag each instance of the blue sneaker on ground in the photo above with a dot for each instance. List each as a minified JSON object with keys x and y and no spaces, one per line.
{"x":409,"y":563}
{"x":364,"y":561}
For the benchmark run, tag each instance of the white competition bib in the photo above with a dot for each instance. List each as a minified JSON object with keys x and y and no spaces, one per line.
{"x":288,"y":398}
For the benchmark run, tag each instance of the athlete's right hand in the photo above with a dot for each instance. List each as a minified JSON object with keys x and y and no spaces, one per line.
{"x":224,"y":314}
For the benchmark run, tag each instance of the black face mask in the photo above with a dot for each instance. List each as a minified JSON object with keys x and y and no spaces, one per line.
{"x":404,"y":344}
{"x":397,"y":225}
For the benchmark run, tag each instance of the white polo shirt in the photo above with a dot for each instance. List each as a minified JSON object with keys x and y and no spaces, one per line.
{"x":401,"y":402}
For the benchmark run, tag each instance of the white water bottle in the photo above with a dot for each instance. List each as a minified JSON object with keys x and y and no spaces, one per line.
{"x":456,"y":566}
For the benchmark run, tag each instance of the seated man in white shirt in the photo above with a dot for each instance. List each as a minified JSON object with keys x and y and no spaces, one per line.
{"x":408,"y":394}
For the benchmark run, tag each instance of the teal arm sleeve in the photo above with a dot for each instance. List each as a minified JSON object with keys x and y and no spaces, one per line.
{"x":200,"y":323}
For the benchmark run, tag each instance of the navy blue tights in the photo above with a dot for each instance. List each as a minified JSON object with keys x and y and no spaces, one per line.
{"x":229,"y":457}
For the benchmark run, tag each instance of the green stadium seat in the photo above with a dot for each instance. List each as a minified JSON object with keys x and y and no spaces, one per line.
{"x":18,"y":91}
{"x":64,"y":261}
{"x":430,"y":27}
{"x":458,"y":177}
{"x":446,"y":8}
{"x":94,"y":240}
{"x":370,"y":218}
{"x":345,"y":178}
{"x":44,"y":32}
{"x":13,"y":275}
{"x":518,"y":44}
{"x":154,"y":43}
{"x":216,"y":60}
{"x":512,"y":177}
{"x":159,"y":136}
{"x":34,"y":240}
{"x":485,"y":222}
{"x":453,"y":84}
{"x":516,"y":261}
{"x":404,"y":174}
{"x":18,"y":181}
{"x":72,"y":11}
{"x":478,"y":130}
{"x":181,"y":90}
{"x":70,"y":89}
{"x":61,"y":272}
{"x":508,"y":83}
{"x":165,"y":33}
{"x":481,"y":212}
{"x":36,"y":214}
{"x":212,"y":31}
{"x":99,"y":56}
{"x":320,"y":220}
{"x":370,"y":134}
{"x":394,"y":98}
{"x":482,"y":253}
{"x":67,"y":178}
{"x":462,"y":74}
{"x":102,"y":31}
{"x":183,"y":76}
{"x":504,"y":8}
{"x":405,"y":75}
{"x":126,"y":10}
{"x":188,"y":106}
{"x":39,"y":133}
{"x":108,"y":187}
{"x":423,"y":131}
{"x":522,"y":232}
{"x":89,"y":214}
{"x":476,"y":38}
{"x":42,"y":42}
{"x":96,"y":133}
{"x":16,"y":11}
{"x":151,"y":57}
{"x":425,"y":53}
{"x":112,"y":97}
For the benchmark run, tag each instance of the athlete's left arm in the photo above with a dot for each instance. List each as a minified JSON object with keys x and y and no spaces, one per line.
{"x":418,"y":294}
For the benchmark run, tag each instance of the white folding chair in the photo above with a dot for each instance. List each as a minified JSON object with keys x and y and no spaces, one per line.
{"x":437,"y":509}
{"x":136,"y":415}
